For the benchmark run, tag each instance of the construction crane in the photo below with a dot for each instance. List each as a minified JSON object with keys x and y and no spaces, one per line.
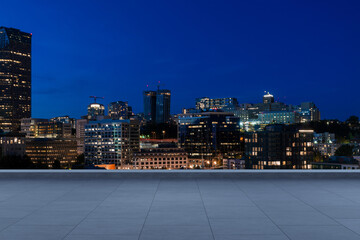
{"x":94,"y":97}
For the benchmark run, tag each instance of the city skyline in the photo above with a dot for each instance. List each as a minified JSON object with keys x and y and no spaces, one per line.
{"x":183,"y":119}
{"x":200,"y":50}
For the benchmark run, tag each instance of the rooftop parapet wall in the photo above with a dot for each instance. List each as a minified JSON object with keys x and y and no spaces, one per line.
{"x":179,"y":174}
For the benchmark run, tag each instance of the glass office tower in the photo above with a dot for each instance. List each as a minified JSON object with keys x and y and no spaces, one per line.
{"x":163,"y":106}
{"x":157,"y":106}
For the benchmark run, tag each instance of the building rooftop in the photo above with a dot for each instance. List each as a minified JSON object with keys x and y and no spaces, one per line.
{"x":98,"y":204}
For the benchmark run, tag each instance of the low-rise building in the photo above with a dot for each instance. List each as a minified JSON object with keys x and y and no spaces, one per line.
{"x":45,"y":128}
{"x":160,"y":158}
{"x":65,"y":119}
{"x":51,"y":140}
{"x":12,"y":144}
{"x":280,"y":117}
{"x":234,"y":164}
{"x":337,"y":162}
{"x":206,"y":104}
{"x":45,"y":151}
{"x":158,"y":143}
{"x":28,"y":125}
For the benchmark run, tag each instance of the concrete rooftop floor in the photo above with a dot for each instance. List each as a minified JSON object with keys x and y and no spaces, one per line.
{"x":179,"y":208}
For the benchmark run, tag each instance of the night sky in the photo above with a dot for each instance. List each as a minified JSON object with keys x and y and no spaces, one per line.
{"x":296,"y":50}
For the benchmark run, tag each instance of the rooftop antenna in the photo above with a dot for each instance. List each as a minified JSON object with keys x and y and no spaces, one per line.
{"x":94,"y":97}
{"x":158,"y":86}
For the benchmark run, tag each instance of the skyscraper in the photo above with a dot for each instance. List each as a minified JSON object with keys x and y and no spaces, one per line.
{"x":157,"y":105}
{"x":162,"y":105}
{"x":15,"y":78}
{"x":150,"y":105}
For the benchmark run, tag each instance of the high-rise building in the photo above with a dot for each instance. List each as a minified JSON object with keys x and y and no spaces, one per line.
{"x":150,"y":105}
{"x":80,"y":134}
{"x":157,"y":105}
{"x":95,"y":110}
{"x":111,"y":142}
{"x":15,"y":78}
{"x":268,"y":98}
{"x":119,"y":110}
{"x":163,"y":106}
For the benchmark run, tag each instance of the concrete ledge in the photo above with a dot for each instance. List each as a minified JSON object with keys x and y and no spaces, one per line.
{"x":176,"y":174}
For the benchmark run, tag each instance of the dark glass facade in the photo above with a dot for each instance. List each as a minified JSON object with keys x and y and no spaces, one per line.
{"x":157,"y":106}
{"x":150,"y":106}
{"x":279,"y":146}
{"x":15,"y":78}
{"x":163,"y":106}
{"x":210,"y":134}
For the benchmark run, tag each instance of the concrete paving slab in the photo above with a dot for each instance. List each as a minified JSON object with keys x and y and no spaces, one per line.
{"x":191,"y":207}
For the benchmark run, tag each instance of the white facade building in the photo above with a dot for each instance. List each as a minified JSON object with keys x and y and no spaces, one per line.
{"x":111,"y":142}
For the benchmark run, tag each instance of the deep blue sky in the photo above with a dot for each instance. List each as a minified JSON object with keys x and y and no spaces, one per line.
{"x":297,"y":50}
